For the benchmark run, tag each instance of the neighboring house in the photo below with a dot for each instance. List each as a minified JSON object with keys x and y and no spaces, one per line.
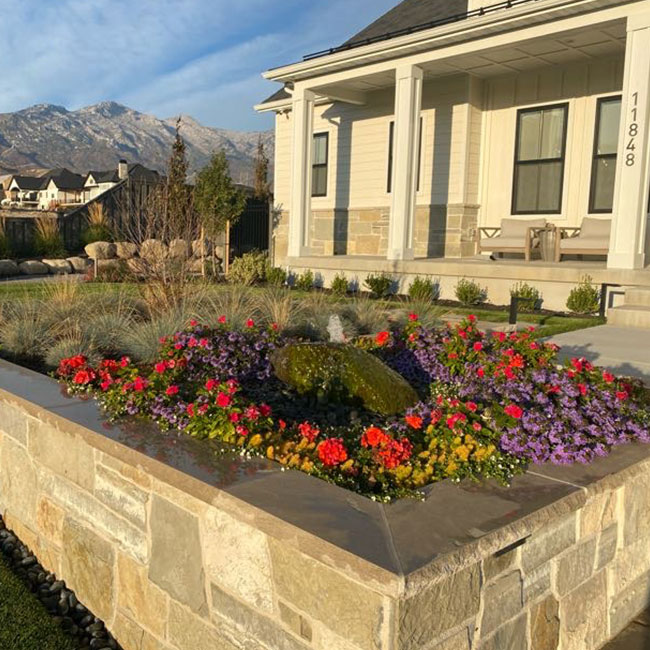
{"x":61,"y":188}
{"x":23,"y":191}
{"x":444,"y":116}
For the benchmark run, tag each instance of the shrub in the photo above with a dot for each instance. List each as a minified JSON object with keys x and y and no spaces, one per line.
{"x":469,"y":292}
{"x":98,"y":228}
{"x":340,"y":285}
{"x":529,"y":297}
{"x":305,"y":281}
{"x":584,"y":299}
{"x":275,"y":276}
{"x":423,"y":289}
{"x":379,"y":284}
{"x":249,"y":269}
{"x":47,"y":238}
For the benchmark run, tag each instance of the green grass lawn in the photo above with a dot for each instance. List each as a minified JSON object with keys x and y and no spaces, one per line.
{"x":24,"y":622}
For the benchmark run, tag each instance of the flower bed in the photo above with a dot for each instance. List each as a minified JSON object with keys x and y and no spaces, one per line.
{"x":489,"y":405}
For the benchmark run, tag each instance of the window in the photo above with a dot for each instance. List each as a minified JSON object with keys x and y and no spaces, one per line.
{"x":391,"y":138}
{"x":319,"y":164}
{"x":603,"y":168}
{"x":539,"y":160}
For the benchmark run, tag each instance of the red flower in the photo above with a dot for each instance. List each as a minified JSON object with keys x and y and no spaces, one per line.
{"x":414,"y":421}
{"x":480,"y":372}
{"x":382,"y":338}
{"x":514,"y":411}
{"x":478,"y":346}
{"x":471,"y":318}
{"x":172,"y":390}
{"x":477,"y":426}
{"x":224,"y":400}
{"x":140,"y":384}
{"x":608,"y":377}
{"x":395,"y":453}
{"x":373,"y":437}
{"x":193,"y":323}
{"x":554,"y":390}
{"x":83,"y":377}
{"x":124,"y":362}
{"x":282,"y":424}
{"x":413,"y":317}
{"x":160,"y":367}
{"x":453,"y":355}
{"x":582,"y":388}
{"x":622,"y":395}
{"x":162,"y":339}
{"x":222,"y":319}
{"x":106,"y":384}
{"x":250,"y":323}
{"x":204,"y":343}
{"x":192,"y":343}
{"x":265,"y":410}
{"x":232,"y":385}
{"x":471,"y":406}
{"x":578,"y":364}
{"x":211,"y":384}
{"x":454,"y":419}
{"x":190,"y":410}
{"x":241,"y":430}
{"x":234,"y":417}
{"x":332,"y":452}
{"x":308,"y":431}
{"x":252,"y":413}
{"x":274,"y":327}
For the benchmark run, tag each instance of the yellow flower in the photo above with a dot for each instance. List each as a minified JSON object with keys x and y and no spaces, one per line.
{"x":307,"y":465}
{"x":270,"y":452}
{"x":347,"y":465}
{"x":256,"y":440}
{"x":294,"y":460}
{"x":462,"y":452}
{"x":451,"y":468}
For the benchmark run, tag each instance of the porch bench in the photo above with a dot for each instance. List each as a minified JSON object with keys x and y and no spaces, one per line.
{"x":513,"y":236}
{"x":591,"y":238}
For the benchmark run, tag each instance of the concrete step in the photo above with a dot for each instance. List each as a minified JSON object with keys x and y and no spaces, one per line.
{"x":638,"y":296}
{"x":637,"y":316}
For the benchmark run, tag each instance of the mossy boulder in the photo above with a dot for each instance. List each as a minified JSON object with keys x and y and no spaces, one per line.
{"x":344,"y":373}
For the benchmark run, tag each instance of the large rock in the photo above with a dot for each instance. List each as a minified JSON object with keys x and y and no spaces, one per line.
{"x":80,"y":264}
{"x":58,"y":266}
{"x":201,"y":248}
{"x":153,"y":250}
{"x":180,"y":249}
{"x":33,"y":267}
{"x":125,"y":250}
{"x":101,"y":250}
{"x":8,"y":267}
{"x":354,"y":374}
{"x":196,"y":265}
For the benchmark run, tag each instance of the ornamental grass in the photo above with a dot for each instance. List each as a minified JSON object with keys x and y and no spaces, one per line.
{"x":490,"y":405}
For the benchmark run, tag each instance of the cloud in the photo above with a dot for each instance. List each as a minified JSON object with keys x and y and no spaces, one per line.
{"x":198,"y":57}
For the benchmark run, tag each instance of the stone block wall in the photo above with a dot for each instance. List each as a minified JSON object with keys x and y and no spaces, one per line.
{"x":170,"y":563}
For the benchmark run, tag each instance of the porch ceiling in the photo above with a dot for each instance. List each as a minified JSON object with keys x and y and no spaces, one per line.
{"x":586,"y":44}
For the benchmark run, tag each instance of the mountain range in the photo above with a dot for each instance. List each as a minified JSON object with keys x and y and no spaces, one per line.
{"x":98,"y":136}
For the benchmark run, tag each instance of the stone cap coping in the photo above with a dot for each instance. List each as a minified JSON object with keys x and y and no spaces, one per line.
{"x":396,"y":548}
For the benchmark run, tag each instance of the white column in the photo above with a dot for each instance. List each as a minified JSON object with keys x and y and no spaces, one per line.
{"x":630,"y":211}
{"x":300,"y":206}
{"x":408,"y":105}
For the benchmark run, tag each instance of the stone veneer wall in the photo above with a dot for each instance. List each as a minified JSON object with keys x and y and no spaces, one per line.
{"x":173,"y":564}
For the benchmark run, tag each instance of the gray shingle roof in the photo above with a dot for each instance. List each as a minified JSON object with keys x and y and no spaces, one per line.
{"x":30,"y":182}
{"x":110,"y":176}
{"x":410,"y":14}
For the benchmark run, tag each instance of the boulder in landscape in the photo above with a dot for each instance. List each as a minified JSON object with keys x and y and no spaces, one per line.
{"x":196,"y":265}
{"x":8,"y":267}
{"x":199,"y":249}
{"x":153,"y":250}
{"x":101,"y":250}
{"x":103,"y":265}
{"x":180,"y":249}
{"x":58,"y":266}
{"x":33,"y":267}
{"x":80,"y":264}
{"x":125,"y":250}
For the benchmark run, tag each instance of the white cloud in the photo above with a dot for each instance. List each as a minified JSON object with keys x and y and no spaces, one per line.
{"x":199,"y":57}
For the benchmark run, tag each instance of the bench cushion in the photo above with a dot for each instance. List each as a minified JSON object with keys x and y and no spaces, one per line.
{"x":519,"y":227}
{"x":595,"y":228}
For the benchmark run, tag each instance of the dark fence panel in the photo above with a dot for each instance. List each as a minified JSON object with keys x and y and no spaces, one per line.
{"x":251,"y":232}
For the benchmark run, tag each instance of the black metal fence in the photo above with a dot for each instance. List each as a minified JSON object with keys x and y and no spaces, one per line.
{"x":252,"y":230}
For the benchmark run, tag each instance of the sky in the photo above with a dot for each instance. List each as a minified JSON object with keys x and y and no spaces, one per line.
{"x":202,"y":58}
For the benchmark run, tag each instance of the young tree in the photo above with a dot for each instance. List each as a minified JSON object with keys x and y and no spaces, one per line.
{"x":178,"y":194}
{"x":216,"y":199}
{"x":262,"y":189}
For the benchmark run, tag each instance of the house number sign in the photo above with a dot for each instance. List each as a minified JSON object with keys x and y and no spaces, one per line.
{"x":632,"y":132}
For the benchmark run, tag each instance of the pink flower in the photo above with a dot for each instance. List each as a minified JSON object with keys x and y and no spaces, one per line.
{"x":222,"y":319}
{"x":308,"y":431}
{"x":478,"y":346}
{"x":211,"y":384}
{"x":172,"y":390}
{"x":608,"y":377}
{"x":514,"y":411}
{"x":234,"y":417}
{"x":265,"y":410}
{"x":140,"y":384}
{"x":224,"y":400}
{"x":241,"y":430}
{"x":160,"y":367}
{"x":250,"y":323}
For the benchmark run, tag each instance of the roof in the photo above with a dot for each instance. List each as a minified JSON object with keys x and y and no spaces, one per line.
{"x":410,"y":14}
{"x":277,"y":96}
{"x":64,"y":179}
{"x":30,"y":182}
{"x":141,"y":173}
{"x":108,"y":176}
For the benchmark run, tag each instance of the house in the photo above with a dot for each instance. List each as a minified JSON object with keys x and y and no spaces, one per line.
{"x":23,"y":191}
{"x":62,"y":188}
{"x":445,"y":116}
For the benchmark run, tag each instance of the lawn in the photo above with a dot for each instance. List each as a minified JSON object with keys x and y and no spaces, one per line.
{"x":24,"y":622}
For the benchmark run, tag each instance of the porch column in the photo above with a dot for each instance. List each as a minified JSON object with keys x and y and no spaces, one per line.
{"x":300,"y":205}
{"x":408,"y":104}
{"x":630,"y":213}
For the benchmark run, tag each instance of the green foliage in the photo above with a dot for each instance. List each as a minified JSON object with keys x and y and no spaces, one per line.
{"x":249,"y":269}
{"x":47,"y":238}
{"x":343,"y":373}
{"x":469,"y":292}
{"x":177,"y":192}
{"x":423,"y":289}
{"x":24,"y":622}
{"x":262,"y":189}
{"x":25,"y":332}
{"x":276,"y":276}
{"x":142,"y":341}
{"x":529,"y":297}
{"x":95,"y":233}
{"x":379,"y":284}
{"x":340,"y":285}
{"x":584,"y":299}
{"x":69,"y":347}
{"x":216,"y":198}
{"x":305,"y":281}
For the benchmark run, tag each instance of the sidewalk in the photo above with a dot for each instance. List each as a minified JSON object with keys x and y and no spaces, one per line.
{"x":624,"y":351}
{"x":636,"y":636}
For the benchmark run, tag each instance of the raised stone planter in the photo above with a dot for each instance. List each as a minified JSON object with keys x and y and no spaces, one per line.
{"x":179,"y":548}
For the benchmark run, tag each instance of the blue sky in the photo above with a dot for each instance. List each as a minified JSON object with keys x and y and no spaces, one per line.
{"x":198,"y":57}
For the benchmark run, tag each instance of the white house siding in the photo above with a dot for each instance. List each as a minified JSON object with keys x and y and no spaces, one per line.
{"x":580,"y":86}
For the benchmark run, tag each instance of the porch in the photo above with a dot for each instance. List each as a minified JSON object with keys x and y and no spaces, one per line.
{"x":421,"y":135}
